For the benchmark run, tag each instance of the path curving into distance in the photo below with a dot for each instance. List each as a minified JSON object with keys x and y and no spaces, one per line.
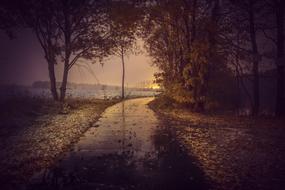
{"x":129,"y":147}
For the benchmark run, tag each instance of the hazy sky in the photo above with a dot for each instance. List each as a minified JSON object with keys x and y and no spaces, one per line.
{"x":22,"y":62}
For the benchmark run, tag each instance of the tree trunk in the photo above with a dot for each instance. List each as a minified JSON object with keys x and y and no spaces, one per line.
{"x":64,"y":81}
{"x":193,"y":21}
{"x":48,"y":48}
{"x":123,"y":75}
{"x":255,"y":69}
{"x":66,"y":69}
{"x":280,"y":99}
{"x":52,"y":81}
{"x":213,"y":54}
{"x":255,"y":108}
{"x":241,"y":85}
{"x":67,"y":43}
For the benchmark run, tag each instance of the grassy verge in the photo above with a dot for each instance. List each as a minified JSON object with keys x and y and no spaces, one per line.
{"x":162,"y":105}
{"x":36,"y":132}
{"x":234,"y":152}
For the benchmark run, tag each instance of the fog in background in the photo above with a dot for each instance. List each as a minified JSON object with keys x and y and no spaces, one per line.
{"x":22,"y":62}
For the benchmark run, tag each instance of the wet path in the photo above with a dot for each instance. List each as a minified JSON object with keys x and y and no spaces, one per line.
{"x":128,"y":148}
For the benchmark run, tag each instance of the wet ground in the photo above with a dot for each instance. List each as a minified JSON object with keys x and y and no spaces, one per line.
{"x":128,"y":148}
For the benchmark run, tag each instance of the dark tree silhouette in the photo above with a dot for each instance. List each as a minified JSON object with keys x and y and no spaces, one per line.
{"x":280,"y":98}
{"x":84,"y":32}
{"x":124,"y":24}
{"x":38,"y":15}
{"x":67,"y":31}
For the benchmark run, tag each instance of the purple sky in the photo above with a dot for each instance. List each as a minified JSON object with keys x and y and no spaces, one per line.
{"x":22,"y":62}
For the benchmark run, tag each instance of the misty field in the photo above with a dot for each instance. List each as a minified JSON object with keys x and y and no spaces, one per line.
{"x":108,"y":92}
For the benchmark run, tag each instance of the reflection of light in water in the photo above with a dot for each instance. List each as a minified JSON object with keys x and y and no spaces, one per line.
{"x":123,"y":126}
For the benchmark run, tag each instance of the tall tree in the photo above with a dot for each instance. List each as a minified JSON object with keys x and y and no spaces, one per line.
{"x":124,"y":18}
{"x":249,"y":13}
{"x":255,"y":65}
{"x":184,"y":40}
{"x":84,"y":32}
{"x":279,"y":6}
{"x":67,"y":31}
{"x":38,"y":15}
{"x":271,"y":23}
